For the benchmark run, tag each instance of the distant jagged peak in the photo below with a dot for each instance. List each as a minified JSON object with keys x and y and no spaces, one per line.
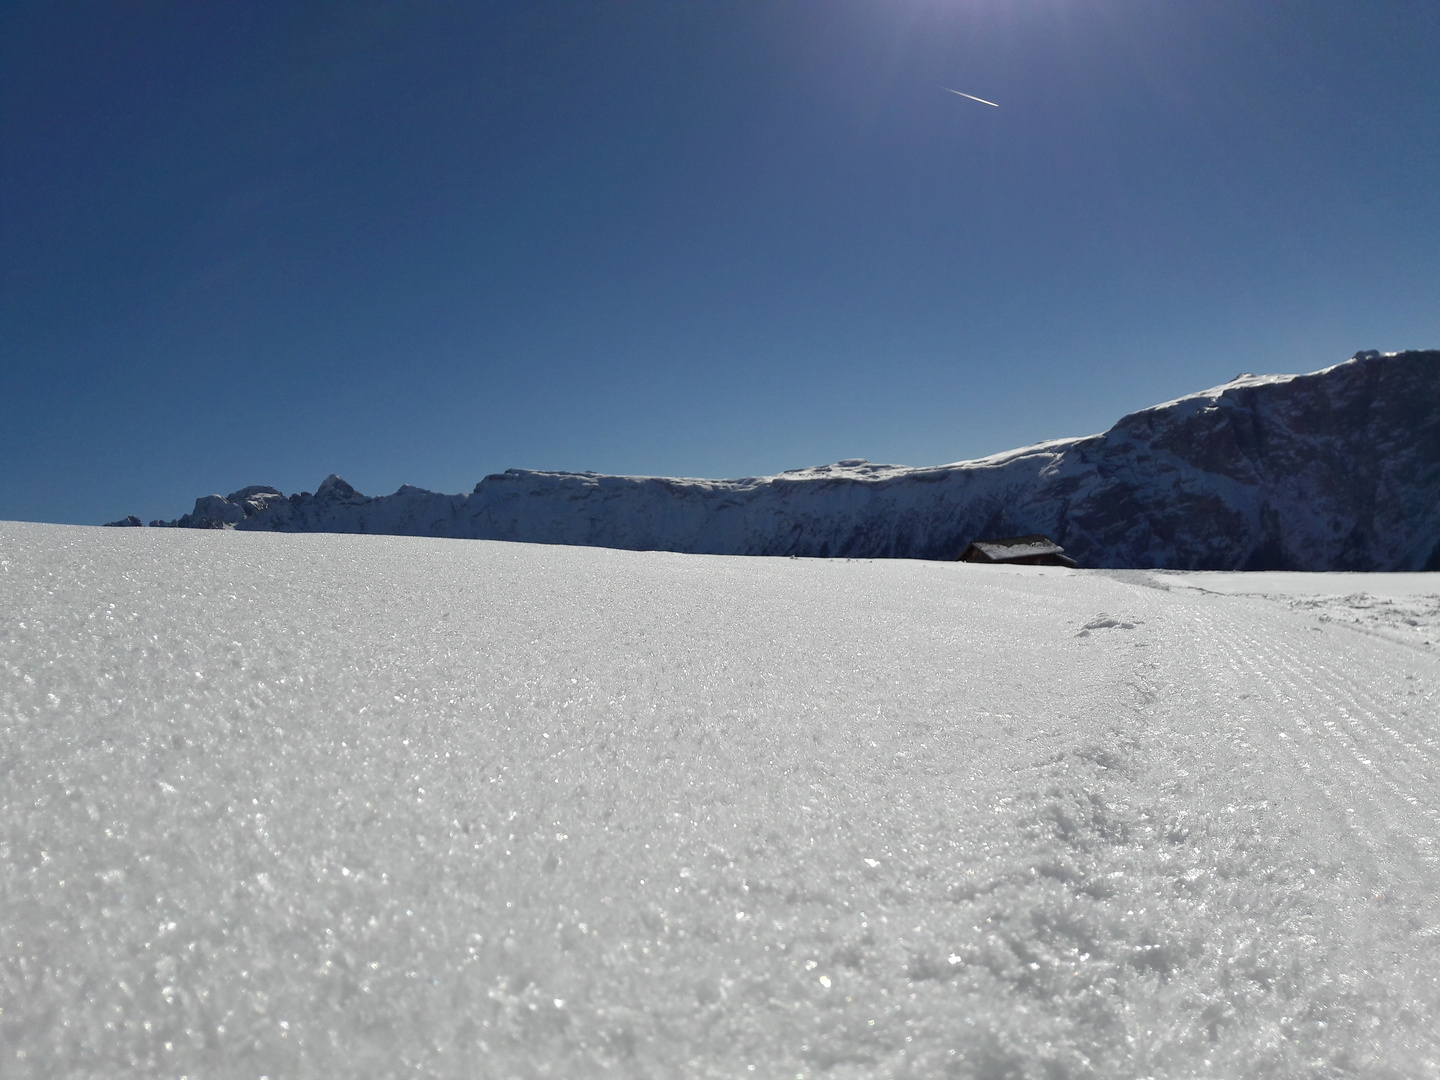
{"x":332,"y":487}
{"x":247,"y":493}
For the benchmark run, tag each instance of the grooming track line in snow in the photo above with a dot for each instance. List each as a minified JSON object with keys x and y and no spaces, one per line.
{"x":342,"y":806}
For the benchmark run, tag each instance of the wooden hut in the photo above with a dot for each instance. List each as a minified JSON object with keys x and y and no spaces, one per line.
{"x":1032,"y":550}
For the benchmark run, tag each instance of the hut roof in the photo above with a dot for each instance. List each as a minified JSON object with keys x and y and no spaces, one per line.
{"x":1017,"y":548}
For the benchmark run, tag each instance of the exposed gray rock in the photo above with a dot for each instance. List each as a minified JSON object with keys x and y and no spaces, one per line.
{"x":1336,"y":470}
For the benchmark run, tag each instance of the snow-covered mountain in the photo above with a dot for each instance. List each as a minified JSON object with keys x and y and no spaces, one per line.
{"x":1335,"y":470}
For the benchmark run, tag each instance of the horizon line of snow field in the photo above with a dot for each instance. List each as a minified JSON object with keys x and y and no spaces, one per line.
{"x":375,"y":806}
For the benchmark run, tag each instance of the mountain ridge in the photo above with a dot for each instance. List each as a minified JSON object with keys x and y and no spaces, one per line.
{"x":1338,"y":469}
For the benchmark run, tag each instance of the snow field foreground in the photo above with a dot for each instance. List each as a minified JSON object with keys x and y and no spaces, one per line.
{"x":340,"y":806}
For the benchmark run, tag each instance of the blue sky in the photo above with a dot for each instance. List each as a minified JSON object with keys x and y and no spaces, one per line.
{"x":419,"y":243}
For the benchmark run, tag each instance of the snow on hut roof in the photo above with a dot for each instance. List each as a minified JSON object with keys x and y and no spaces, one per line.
{"x":1016,"y":547}
{"x":1033,"y":548}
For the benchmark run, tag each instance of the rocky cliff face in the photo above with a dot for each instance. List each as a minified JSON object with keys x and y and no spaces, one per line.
{"x":1336,"y":470}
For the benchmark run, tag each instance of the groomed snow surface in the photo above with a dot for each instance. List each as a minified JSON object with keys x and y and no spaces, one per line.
{"x":345,"y":806}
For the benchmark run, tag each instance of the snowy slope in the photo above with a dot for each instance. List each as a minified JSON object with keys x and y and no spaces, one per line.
{"x":1337,"y":470}
{"x":342,"y":806}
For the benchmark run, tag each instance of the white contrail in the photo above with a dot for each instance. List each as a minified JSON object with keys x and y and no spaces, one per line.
{"x":972,"y":97}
